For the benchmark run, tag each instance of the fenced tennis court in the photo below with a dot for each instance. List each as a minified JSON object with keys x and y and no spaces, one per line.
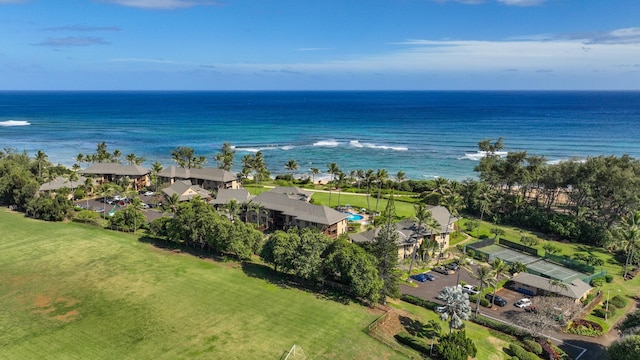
{"x":535,"y":265}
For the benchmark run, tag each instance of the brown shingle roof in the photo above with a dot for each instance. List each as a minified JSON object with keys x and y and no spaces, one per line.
{"x":115,"y":169}
{"x":213,"y":174}
{"x":299,"y":209}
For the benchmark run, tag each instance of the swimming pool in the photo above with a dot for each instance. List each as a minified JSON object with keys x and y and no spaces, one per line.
{"x":353,"y":217}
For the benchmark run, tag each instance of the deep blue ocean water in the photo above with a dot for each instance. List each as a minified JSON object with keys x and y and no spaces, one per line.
{"x":424,"y":134}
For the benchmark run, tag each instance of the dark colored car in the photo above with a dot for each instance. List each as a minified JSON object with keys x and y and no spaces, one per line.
{"x":419,"y":277}
{"x":452,"y":266}
{"x":429,"y":277}
{"x":497,"y":300}
{"x":443,"y":270}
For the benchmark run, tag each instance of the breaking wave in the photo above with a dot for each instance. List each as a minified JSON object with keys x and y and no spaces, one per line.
{"x":478,"y":155}
{"x":14,"y":123}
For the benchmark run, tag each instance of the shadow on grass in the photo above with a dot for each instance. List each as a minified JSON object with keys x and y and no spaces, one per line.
{"x":175,"y":247}
{"x":286,"y":281}
{"x":413,"y":327}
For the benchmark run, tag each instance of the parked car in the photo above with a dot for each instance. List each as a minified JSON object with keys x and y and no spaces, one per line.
{"x":531,"y":309}
{"x":419,"y":277}
{"x":452,"y":266}
{"x":443,"y":270}
{"x":497,"y":300}
{"x":523,"y":303}
{"x":469,"y":289}
{"x":119,"y":198}
{"x":144,"y":206}
{"x":429,"y":277}
{"x":441,"y":309}
{"x":148,"y":193}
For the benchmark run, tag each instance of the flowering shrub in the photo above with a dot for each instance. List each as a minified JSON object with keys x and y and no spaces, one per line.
{"x":585,"y":327}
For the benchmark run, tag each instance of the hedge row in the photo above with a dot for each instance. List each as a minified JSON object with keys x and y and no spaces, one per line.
{"x":420,"y":302}
{"x":521,"y":353}
{"x":498,"y":326}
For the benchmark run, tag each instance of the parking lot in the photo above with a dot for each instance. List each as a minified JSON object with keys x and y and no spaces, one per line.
{"x":99,"y":205}
{"x":429,"y":290}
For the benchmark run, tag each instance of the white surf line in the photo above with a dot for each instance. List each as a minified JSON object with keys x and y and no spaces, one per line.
{"x":549,"y":337}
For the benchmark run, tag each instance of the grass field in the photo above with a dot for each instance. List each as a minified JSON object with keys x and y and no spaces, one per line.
{"x":70,"y":291}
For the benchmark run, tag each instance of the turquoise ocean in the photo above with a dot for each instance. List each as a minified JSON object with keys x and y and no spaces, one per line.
{"x":425,"y":134}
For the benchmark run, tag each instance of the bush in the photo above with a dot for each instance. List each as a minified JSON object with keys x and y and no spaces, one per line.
{"x":521,"y":353}
{"x":420,"y":302}
{"x":413,"y":342}
{"x":608,"y":278}
{"x":590,"y":296}
{"x":456,"y":346}
{"x":498,"y":326}
{"x":632,"y":320}
{"x":599,"y":281}
{"x":548,"y":350}
{"x":618,"y":301}
{"x":533,"y":346}
{"x":585,"y":327}
{"x":601,"y":311}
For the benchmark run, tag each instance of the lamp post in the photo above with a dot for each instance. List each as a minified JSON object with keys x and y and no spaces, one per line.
{"x":606,"y":311}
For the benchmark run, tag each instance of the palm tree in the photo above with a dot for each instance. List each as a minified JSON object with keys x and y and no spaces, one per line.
{"x":368,"y":178}
{"x":629,"y":233}
{"x":291,"y":165}
{"x":117,"y":154}
{"x":225,"y":157}
{"x":400,"y":177}
{"x":314,"y":172}
{"x":463,"y":264}
{"x":172,"y":202}
{"x":456,"y":306}
{"x":340,"y":181}
{"x":499,"y":268}
{"x":73,"y":177}
{"x":156,"y":168}
{"x":332,"y":169}
{"x":233,"y":208}
{"x":424,"y":217}
{"x":41,"y":158}
{"x":484,"y":274}
{"x":381,"y":176}
{"x":136,"y":208}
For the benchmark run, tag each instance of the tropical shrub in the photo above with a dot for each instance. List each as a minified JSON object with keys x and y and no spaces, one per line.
{"x":626,"y":348}
{"x":585,"y":327}
{"x":608,"y":278}
{"x":521,"y":353}
{"x":549,"y":351}
{"x":618,"y":301}
{"x":601,"y":312}
{"x":632,"y":320}
{"x":533,"y":346}
{"x":456,"y":346}
{"x":599,"y":281}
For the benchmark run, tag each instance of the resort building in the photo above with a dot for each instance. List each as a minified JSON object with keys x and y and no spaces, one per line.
{"x":112,"y":172}
{"x":530,"y":284}
{"x":206,"y":178}
{"x":283,"y":208}
{"x":409,"y":236}
{"x":59,"y":183}
{"x":187,"y":191}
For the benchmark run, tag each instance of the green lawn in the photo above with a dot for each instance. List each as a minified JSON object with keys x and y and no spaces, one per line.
{"x":490,"y":347}
{"x":71,"y":291}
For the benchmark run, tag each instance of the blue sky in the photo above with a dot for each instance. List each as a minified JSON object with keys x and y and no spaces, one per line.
{"x":319,"y":45}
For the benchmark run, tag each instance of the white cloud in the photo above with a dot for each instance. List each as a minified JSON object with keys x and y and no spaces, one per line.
{"x":161,"y":4}
{"x":82,"y":28}
{"x":142,"y":60}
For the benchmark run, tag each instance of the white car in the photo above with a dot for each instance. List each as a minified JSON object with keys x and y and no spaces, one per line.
{"x":523,"y":303}
{"x":148,"y":193}
{"x":441,"y":309}
{"x":144,"y":206}
{"x":469,"y":289}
